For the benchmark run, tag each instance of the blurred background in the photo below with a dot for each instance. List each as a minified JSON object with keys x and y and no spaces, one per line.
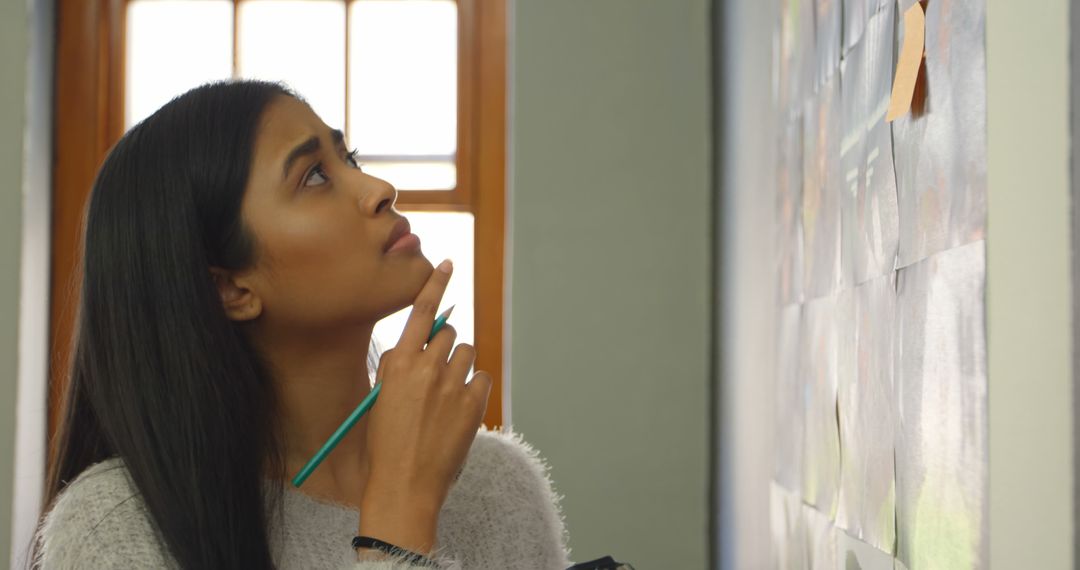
{"x":748,"y":321}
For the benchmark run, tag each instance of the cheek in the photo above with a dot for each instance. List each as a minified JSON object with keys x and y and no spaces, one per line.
{"x":320,"y":272}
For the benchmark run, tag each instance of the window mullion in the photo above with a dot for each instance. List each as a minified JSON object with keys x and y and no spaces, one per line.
{"x":235,"y":39}
{"x":348,"y":73}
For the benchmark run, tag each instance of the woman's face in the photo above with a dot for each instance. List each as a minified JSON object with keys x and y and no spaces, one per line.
{"x":321,"y":229}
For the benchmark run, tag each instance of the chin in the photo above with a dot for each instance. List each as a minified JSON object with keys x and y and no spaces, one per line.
{"x":425,"y":267}
{"x":417,"y":275}
{"x":404,"y":277}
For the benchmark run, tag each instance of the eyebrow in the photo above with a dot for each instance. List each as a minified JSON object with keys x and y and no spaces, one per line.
{"x":309,"y":147}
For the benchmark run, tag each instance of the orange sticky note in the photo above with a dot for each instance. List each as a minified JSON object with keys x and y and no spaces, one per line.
{"x":907,"y":67}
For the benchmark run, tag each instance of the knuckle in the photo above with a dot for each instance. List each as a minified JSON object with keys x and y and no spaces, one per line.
{"x":451,"y":386}
{"x":448,"y":331}
{"x":430,"y":370}
{"x":396,"y":367}
{"x":445,"y":388}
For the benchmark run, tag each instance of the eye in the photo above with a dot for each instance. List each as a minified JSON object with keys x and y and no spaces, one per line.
{"x":351,"y":158}
{"x":316,"y":176}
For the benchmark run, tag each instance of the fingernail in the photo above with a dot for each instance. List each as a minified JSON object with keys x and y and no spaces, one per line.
{"x":446,"y":266}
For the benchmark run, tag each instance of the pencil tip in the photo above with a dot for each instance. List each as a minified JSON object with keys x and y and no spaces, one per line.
{"x":446,"y":314}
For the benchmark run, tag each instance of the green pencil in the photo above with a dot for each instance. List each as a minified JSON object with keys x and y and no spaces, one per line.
{"x":354,"y":417}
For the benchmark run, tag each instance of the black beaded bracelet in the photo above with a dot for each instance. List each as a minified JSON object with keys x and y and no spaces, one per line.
{"x":410,"y":556}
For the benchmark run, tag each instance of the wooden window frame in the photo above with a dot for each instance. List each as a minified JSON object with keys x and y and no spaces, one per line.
{"x":89,"y":119}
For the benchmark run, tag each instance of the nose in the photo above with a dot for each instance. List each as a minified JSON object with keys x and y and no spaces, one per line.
{"x":379,"y":197}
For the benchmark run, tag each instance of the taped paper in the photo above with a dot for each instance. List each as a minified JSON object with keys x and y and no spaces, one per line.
{"x":828,"y":19}
{"x":787,"y":529}
{"x":822,"y":185}
{"x":798,"y":60}
{"x":856,"y":555}
{"x":789,"y":207}
{"x":870,"y":228}
{"x":820,"y":368}
{"x":878,"y":216}
{"x":940,"y":156}
{"x":941,"y":440}
{"x":855,"y":17}
{"x":867,"y":493}
{"x":852,"y":159}
{"x":820,"y":540}
{"x":789,"y":412}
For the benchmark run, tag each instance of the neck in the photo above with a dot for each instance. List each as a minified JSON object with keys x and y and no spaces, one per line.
{"x":321,"y":379}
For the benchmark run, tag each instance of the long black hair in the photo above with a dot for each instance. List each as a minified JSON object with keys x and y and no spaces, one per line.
{"x":160,"y":377}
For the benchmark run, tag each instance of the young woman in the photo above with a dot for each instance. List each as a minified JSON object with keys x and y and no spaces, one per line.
{"x":236,"y":260}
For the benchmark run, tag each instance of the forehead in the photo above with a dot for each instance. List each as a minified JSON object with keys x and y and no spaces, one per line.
{"x":285,"y":123}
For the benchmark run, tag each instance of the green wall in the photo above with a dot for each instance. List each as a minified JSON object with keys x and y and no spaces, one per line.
{"x":609,"y":264}
{"x":13,"y":59}
{"x":1028,"y":285}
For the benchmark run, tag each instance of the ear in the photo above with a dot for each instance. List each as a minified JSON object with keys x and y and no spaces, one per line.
{"x":239,"y":301}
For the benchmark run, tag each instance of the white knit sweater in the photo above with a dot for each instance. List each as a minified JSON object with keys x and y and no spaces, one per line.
{"x":501,"y":513}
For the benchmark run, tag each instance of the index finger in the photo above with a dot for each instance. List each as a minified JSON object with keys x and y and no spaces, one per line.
{"x":418,"y":327}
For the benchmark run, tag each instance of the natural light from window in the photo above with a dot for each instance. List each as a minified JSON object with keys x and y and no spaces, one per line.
{"x":302,"y":41}
{"x":433,"y":228}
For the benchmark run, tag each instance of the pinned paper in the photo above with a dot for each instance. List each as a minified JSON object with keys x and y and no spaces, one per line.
{"x":907,"y":68}
{"x":939,"y":149}
{"x":941,"y":445}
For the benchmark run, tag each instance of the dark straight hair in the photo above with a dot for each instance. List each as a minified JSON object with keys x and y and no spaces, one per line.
{"x":160,"y":377}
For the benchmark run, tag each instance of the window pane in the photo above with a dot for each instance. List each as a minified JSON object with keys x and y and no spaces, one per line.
{"x":301,"y":43}
{"x":403,"y":79}
{"x":442,"y":235}
{"x":415,"y":175}
{"x":172,"y":46}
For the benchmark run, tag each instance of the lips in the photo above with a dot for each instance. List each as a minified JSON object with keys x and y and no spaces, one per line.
{"x":401,"y":229}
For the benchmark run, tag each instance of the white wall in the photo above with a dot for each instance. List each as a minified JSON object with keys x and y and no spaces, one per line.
{"x":609,"y":268}
{"x":746,"y":274}
{"x":26,"y":56}
{"x":1028,"y":285}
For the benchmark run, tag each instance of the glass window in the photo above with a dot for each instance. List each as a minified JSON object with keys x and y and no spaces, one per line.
{"x":172,"y":46}
{"x":301,"y":43}
{"x":442,"y":235}
{"x":414,"y":175}
{"x":403,"y":90}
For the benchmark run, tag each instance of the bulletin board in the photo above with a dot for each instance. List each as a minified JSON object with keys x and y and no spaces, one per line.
{"x":881,"y":389}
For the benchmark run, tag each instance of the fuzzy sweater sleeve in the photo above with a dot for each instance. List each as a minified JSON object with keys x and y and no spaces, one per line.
{"x":503,"y":513}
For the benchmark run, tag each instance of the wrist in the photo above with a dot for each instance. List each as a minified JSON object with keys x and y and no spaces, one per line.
{"x":411,"y":526}
{"x":370,"y":548}
{"x":397,"y":502}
